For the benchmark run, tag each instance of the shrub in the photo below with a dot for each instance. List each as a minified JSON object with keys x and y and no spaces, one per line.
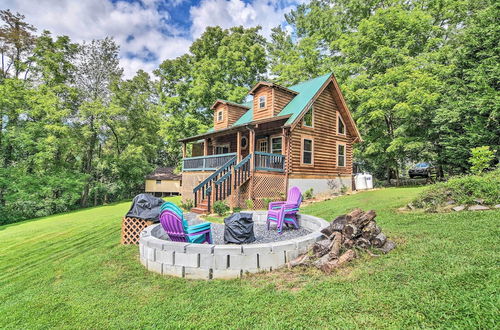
{"x":221,"y":208}
{"x":481,"y":159}
{"x":266,"y":201}
{"x":308,"y":194}
{"x":187,"y":205}
{"x":249,"y":204}
{"x":463,"y":190}
{"x":237,"y":209}
{"x":343,"y":190}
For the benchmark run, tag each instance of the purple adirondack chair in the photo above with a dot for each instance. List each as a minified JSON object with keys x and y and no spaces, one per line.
{"x":285,"y":212}
{"x":178,"y":230}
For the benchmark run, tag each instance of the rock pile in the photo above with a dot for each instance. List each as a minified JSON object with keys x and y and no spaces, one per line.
{"x":347,"y":233}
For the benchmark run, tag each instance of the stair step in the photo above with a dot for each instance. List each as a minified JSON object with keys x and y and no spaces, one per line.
{"x":199,"y":210}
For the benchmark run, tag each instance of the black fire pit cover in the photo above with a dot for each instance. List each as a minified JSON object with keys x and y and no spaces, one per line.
{"x":238,"y":229}
{"x":145,"y":206}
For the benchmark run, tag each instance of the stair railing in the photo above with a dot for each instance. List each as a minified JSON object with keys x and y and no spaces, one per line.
{"x":204,"y":189}
{"x":242,"y":171}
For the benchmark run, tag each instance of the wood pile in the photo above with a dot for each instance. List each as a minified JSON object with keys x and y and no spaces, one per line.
{"x":346,"y":235}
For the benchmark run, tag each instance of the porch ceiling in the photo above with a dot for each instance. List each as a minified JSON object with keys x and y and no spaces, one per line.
{"x":233,"y":129}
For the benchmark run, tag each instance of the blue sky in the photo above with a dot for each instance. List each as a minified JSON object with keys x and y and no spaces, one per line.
{"x":148,"y":31}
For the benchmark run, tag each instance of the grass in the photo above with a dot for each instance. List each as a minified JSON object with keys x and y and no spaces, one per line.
{"x":69,"y":271}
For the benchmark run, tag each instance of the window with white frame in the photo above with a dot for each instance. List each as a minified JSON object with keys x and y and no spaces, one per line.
{"x":341,"y":155}
{"x":158,"y":181}
{"x":220,"y":115}
{"x":340,"y":125}
{"x":262,"y":101}
{"x":308,"y":117}
{"x":221,"y":149}
{"x":307,"y":151}
{"x":276,"y":145}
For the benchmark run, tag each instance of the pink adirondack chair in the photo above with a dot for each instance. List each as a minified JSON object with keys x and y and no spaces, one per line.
{"x":285,"y":212}
{"x":178,"y":230}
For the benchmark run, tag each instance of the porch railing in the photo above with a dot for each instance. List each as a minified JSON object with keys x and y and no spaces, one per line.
{"x":206,"y":163}
{"x":242,"y":171}
{"x":269,"y":162}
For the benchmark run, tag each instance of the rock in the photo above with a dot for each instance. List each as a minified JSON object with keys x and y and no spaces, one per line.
{"x":479,"y":200}
{"x":458,"y":208}
{"x":410,"y":206}
{"x":497,"y":206}
{"x":478,"y":208}
{"x":450,"y":202}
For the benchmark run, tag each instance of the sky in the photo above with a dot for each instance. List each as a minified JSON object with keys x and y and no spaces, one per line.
{"x":148,"y":31}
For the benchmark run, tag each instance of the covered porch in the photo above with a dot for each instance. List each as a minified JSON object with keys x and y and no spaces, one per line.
{"x":266,"y":144}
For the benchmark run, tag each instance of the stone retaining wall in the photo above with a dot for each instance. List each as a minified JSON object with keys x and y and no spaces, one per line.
{"x":210,"y":261}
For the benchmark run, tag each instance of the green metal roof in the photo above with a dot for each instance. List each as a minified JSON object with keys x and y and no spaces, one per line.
{"x":306,"y":91}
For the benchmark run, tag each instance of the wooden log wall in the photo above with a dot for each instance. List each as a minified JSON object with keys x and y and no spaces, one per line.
{"x":325,"y":140}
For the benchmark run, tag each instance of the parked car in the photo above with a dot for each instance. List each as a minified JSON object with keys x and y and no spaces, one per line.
{"x":422,"y":169}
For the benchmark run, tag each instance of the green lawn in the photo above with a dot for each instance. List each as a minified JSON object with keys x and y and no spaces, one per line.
{"x":69,"y":271}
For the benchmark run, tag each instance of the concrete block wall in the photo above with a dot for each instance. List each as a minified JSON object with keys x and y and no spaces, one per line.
{"x":209,"y":261}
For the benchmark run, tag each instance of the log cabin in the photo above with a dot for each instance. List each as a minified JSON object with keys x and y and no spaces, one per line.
{"x":301,"y":135}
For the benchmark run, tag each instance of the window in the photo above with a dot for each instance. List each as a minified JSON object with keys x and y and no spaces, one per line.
{"x":221,"y":149}
{"x":340,"y":125}
{"x":276,"y":147}
{"x":244,"y":142}
{"x":220,"y":115}
{"x":158,"y":181}
{"x":341,"y":155}
{"x":307,"y":151}
{"x":308,"y":118}
{"x":262,"y":145}
{"x":262,"y":102}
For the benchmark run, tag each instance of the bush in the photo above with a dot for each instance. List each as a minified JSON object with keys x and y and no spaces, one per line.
{"x":343,"y":190}
{"x":266,"y":201}
{"x":187,"y":205}
{"x":249,"y":204}
{"x":221,"y":208}
{"x":308,"y":194}
{"x":481,"y":159}
{"x":462,"y":190}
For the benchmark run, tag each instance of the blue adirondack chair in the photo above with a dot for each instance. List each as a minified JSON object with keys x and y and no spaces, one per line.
{"x":177,"y":228}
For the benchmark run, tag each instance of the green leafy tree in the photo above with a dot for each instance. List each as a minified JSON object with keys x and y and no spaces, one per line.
{"x":481,"y":159}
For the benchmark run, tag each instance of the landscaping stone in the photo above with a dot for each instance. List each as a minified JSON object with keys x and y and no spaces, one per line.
{"x":479,"y":200}
{"x":478,"y":208}
{"x":207,"y":261}
{"x":450,"y":202}
{"x":458,"y":208}
{"x":410,"y":206}
{"x":497,"y":206}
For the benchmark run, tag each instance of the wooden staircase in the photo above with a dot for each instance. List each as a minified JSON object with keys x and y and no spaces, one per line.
{"x":221,"y":184}
{"x":201,"y":208}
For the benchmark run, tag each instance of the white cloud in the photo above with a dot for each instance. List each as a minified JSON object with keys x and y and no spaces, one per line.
{"x":135,"y":27}
{"x":228,"y":13}
{"x":139,"y":27}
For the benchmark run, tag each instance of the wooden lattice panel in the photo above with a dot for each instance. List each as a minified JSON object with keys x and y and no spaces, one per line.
{"x":131,"y":228}
{"x":268,"y":186}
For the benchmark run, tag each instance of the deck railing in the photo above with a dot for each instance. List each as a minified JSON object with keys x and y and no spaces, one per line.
{"x":206,"y":163}
{"x":269,"y":162}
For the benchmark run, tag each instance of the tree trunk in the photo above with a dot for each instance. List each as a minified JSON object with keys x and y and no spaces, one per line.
{"x":321,"y":248}
{"x":302,"y":260}
{"x":350,"y":231}
{"x":379,"y":240}
{"x":336,"y":245}
{"x":363,"y":243}
{"x":344,"y":258}
{"x":370,"y":230}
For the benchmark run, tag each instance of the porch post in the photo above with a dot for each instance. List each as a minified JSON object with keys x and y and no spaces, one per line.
{"x":205,"y":147}
{"x":287,"y":149}
{"x":183,"y":149}
{"x":251,"y":146}
{"x":238,"y":147}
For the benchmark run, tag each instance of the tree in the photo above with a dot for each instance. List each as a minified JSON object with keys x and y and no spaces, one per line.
{"x":16,"y":42}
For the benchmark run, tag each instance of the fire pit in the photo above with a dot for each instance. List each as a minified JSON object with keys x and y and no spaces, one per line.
{"x":212,"y":261}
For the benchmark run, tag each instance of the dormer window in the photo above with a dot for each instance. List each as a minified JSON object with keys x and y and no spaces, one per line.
{"x":262,"y":102}
{"x":340,"y":125}
{"x":308,"y":117}
{"x":220,"y":115}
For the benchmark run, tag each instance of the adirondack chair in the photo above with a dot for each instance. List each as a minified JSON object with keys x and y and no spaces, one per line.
{"x":285,"y":212}
{"x":173,"y":222}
